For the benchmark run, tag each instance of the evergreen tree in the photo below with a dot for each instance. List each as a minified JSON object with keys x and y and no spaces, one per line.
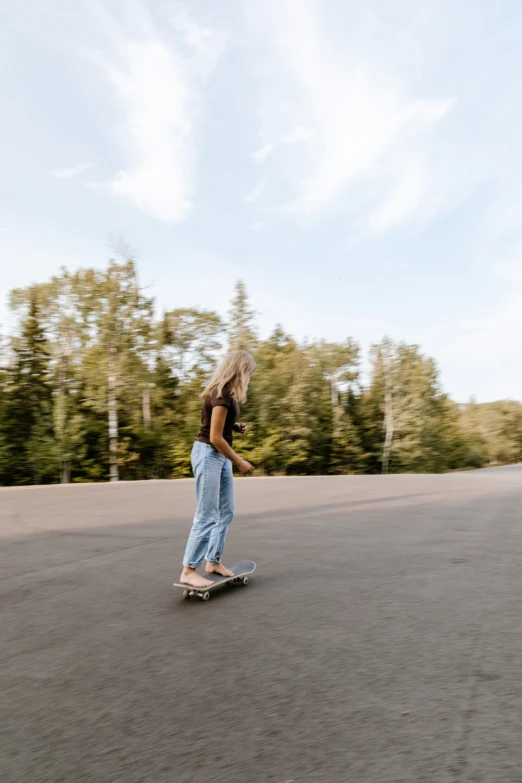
{"x":29,"y":455}
{"x":347,"y":455}
{"x":241,"y":328}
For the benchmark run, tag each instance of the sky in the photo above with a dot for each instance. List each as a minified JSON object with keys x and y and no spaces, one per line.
{"x":358,"y":165}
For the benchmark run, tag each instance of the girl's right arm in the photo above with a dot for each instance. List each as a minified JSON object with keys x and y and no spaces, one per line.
{"x":217,"y":422}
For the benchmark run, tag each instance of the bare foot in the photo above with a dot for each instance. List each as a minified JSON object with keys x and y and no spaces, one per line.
{"x":190,"y":577}
{"x":218,"y":568}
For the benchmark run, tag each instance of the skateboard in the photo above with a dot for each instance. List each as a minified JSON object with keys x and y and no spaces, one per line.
{"x":241,"y":572}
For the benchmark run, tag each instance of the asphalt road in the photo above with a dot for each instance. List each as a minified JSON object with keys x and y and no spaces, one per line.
{"x":380,"y":638}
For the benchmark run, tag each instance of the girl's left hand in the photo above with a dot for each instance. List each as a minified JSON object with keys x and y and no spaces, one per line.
{"x":241,"y":427}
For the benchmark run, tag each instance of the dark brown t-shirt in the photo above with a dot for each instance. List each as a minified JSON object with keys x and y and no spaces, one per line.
{"x":227,"y":401}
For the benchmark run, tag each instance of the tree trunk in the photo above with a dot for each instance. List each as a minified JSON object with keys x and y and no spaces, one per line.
{"x":334,"y":392}
{"x":388,"y":438}
{"x":146,"y":407}
{"x":66,"y":472}
{"x":61,"y":408}
{"x":113,"y":422}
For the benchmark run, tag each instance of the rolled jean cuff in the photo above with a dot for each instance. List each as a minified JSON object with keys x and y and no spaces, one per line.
{"x":192,"y":565}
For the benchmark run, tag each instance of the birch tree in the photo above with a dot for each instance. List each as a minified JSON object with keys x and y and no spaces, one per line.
{"x":116,"y":324}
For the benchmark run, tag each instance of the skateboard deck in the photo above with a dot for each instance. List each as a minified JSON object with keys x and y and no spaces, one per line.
{"x":241,"y":572}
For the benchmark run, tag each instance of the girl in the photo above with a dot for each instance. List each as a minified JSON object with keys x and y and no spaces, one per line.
{"x":212,"y":458}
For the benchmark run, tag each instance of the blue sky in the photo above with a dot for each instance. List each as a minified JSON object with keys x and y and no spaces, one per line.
{"x":357,"y":164}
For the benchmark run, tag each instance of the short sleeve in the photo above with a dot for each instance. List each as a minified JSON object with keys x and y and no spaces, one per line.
{"x":224,"y":401}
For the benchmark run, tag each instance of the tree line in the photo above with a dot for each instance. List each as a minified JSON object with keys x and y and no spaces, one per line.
{"x":95,"y":386}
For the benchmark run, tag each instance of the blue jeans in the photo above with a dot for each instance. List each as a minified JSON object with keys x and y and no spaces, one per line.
{"x":215,"y":505}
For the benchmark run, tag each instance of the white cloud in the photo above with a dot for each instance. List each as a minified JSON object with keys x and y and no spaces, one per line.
{"x":264,"y":151}
{"x":157,"y":77}
{"x":298,"y":135}
{"x":360,"y":124}
{"x":254,"y":195}
{"x":404,"y":200}
{"x":153,"y":91}
{"x":205,"y":42}
{"x":73,"y":171}
{"x":509,"y":268}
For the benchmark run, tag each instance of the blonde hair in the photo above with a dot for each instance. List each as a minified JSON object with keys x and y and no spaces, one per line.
{"x":235,"y":371}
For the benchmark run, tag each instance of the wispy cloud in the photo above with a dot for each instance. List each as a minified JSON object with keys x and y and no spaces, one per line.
{"x":72,"y":171}
{"x":157,"y":76}
{"x":254,"y":194}
{"x":298,"y":135}
{"x":360,"y":123}
{"x":404,"y":200}
{"x":263,"y":151}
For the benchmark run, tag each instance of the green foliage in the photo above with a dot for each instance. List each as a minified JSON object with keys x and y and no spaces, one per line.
{"x":28,"y":446}
{"x":93,"y":387}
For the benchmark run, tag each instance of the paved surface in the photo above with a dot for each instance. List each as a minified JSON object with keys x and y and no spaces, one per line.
{"x":380,"y":638}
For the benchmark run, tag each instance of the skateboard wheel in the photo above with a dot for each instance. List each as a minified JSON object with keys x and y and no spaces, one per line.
{"x":186,"y":594}
{"x":205,"y":596}
{"x":245,"y":580}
